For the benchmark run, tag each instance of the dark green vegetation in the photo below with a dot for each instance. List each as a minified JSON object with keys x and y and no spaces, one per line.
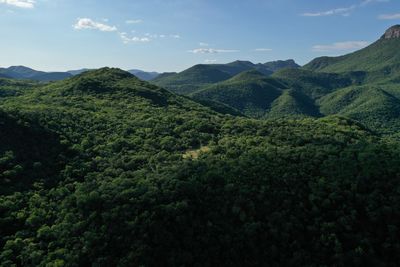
{"x":363,"y":85}
{"x":199,"y":76}
{"x":250,"y":92}
{"x":105,"y":169}
{"x":381,"y":57}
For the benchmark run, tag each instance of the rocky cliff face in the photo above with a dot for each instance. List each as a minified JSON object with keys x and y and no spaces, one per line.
{"x":392,"y":32}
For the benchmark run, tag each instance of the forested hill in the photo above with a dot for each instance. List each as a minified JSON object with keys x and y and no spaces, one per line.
{"x":103,"y":169}
{"x":381,"y":57}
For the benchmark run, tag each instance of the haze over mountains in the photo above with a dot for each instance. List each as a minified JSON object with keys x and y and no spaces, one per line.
{"x":25,"y":73}
{"x":236,"y":164}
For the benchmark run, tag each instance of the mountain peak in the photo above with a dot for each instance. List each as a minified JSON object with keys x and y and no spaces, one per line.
{"x":392,"y":32}
{"x":107,"y":74}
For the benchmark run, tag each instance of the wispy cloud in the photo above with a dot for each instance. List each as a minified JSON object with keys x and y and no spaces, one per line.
{"x":133,"y":21}
{"x":342,"y":11}
{"x":263,"y":49}
{"x":389,"y":16}
{"x":203,"y":44}
{"x":133,"y":39}
{"x":211,"y":51}
{"x":340,"y":46}
{"x":366,"y":2}
{"x":337,"y":11}
{"x":210,"y":61}
{"x":86,"y":23}
{"x":19,"y":3}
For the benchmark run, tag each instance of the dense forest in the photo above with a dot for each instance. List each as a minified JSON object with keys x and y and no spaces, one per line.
{"x":363,"y":86}
{"x":103,"y":169}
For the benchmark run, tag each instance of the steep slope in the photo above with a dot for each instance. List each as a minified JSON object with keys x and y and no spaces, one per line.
{"x":293,"y":104}
{"x":314,"y":84}
{"x":250,"y":92}
{"x":370,"y":105}
{"x":381,"y":57}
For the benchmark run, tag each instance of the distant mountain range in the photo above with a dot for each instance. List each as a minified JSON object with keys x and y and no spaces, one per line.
{"x":143,"y":75}
{"x":25,"y":73}
{"x":224,"y":71}
{"x":21,"y":72}
{"x":198,"y":76}
{"x":363,"y":85}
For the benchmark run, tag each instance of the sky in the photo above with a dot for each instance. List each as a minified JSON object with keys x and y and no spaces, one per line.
{"x":172,"y":35}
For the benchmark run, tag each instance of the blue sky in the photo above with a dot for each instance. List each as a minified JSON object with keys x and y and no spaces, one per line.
{"x":171,"y":35}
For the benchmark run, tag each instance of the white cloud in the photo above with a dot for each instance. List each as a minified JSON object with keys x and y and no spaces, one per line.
{"x":210,"y":61}
{"x":86,"y":23}
{"x":156,"y":36}
{"x":133,"y":39}
{"x":340,"y":46}
{"x":133,"y":21}
{"x":211,"y":51}
{"x":263,"y":49}
{"x":366,"y":2}
{"x":19,"y":3}
{"x":152,"y":36}
{"x":203,"y":44}
{"x":389,"y":16}
{"x":344,"y":11}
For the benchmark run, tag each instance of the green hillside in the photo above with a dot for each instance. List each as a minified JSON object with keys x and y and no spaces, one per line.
{"x":123,"y":173}
{"x":381,"y":58}
{"x":257,"y":96}
{"x":200,"y":76}
{"x":250,"y":92}
{"x":293,"y":104}
{"x":362,"y":85}
{"x":191,"y":79}
{"x":368,"y":104}
{"x":277,"y":65}
{"x":314,"y":84}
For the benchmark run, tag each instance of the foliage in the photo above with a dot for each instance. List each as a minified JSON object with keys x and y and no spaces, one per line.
{"x":115,"y":185}
{"x":249,"y":92}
